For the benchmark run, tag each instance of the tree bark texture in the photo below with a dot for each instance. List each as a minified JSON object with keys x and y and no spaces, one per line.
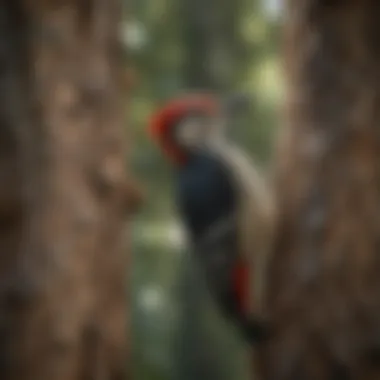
{"x":63,"y":191}
{"x":324,"y":283}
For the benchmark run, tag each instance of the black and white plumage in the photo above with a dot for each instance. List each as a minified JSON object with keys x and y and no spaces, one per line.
{"x":205,"y":193}
{"x":207,"y":199}
{"x":224,"y":208}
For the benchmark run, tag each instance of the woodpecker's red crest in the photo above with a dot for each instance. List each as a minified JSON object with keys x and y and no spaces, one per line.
{"x":166,"y":118}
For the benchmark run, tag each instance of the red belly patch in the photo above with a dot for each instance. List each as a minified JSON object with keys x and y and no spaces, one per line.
{"x":241,"y":284}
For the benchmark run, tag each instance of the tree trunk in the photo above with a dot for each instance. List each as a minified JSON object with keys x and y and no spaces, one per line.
{"x":324,"y":281}
{"x":63,"y":192}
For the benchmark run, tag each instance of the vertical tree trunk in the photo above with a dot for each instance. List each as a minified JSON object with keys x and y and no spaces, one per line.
{"x":63,"y":192}
{"x":324,"y":283}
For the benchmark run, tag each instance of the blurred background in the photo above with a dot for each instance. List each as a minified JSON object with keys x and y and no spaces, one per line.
{"x":175,"y":46}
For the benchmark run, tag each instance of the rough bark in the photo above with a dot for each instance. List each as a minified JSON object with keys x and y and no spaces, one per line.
{"x":63,"y":192}
{"x":324,"y":281}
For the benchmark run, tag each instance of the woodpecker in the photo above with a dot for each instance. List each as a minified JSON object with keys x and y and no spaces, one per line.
{"x":222,"y":202}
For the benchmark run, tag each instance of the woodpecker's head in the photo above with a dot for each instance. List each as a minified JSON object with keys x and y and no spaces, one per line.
{"x":193,"y":122}
{"x":185,"y":125}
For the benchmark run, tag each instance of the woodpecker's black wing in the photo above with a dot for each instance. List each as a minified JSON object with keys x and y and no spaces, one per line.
{"x":207,"y":198}
{"x":205,"y":194}
{"x":206,"y":201}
